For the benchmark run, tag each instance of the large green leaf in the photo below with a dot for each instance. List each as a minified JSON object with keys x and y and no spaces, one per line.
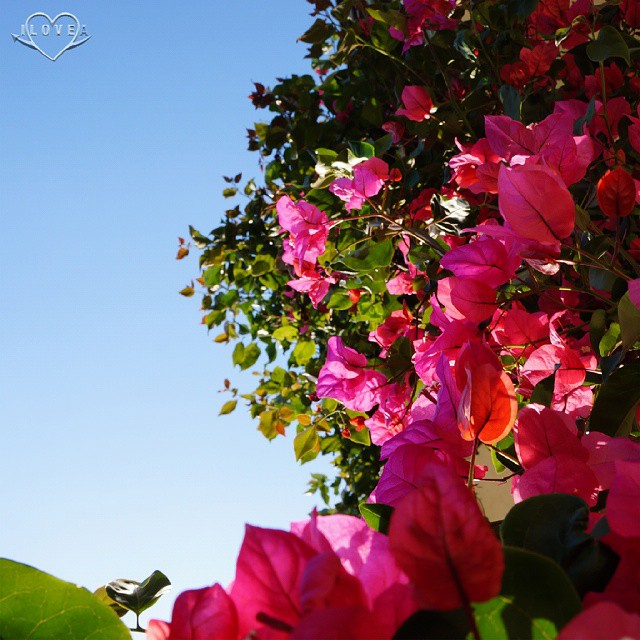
{"x":535,"y":602}
{"x":38,"y":606}
{"x":617,"y":400}
{"x":556,"y":526}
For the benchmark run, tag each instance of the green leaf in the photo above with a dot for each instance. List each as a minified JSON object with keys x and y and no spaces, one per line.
{"x":555,"y":526}
{"x":609,"y":339}
{"x":251,"y":355}
{"x":138,"y":596}
{"x":617,"y":399}
{"x":608,"y":44}
{"x":287,"y":332}
{"x":229,"y":192}
{"x":304,"y":352}
{"x":543,"y":391}
{"x":37,"y":606}
{"x":340,"y":301}
{"x":597,"y":327}
{"x":317,"y":33}
{"x":187,"y":292}
{"x":361,"y":437}
{"x":305,"y":443}
{"x":103,"y":596}
{"x":511,"y":101}
{"x":228,"y":407}
{"x":629,"y":319}
{"x":376,"y":254}
{"x":377,"y":516}
{"x":536,"y":599}
{"x":238,"y":354}
{"x":521,"y":9}
{"x":362,"y":149}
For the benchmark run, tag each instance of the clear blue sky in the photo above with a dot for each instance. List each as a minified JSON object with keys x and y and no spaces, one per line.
{"x":113,"y":460}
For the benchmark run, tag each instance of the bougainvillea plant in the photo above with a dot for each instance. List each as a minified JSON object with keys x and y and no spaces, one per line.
{"x":441,"y":268}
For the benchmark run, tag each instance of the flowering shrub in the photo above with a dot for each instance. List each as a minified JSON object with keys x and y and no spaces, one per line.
{"x":441,"y":269}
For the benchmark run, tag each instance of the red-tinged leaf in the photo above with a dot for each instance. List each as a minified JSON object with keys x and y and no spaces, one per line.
{"x":539,"y":59}
{"x":268,"y":578}
{"x":616,"y":193}
{"x":535,"y":203}
{"x":183,"y":252}
{"x":204,"y":613}
{"x":623,"y":503}
{"x":442,"y":541}
{"x":603,"y":620}
{"x":541,"y":432}
{"x":488,"y":405}
{"x":557,"y":474}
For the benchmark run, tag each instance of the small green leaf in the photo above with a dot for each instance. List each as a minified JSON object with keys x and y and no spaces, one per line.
{"x":228,"y":407}
{"x":287,"y":332}
{"x":251,"y":355}
{"x":608,"y":44}
{"x":187,"y":292}
{"x":138,"y":596}
{"x":38,"y":606}
{"x":511,"y":101}
{"x":305,"y":443}
{"x":609,"y":339}
{"x":304,"y":352}
{"x":377,"y":516}
{"x":617,"y":399}
{"x":629,"y":319}
{"x":238,"y":354}
{"x":362,"y":149}
{"x":317,"y":33}
{"x":229,"y":192}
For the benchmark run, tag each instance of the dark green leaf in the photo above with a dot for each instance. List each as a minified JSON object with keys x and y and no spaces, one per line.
{"x":608,"y":44}
{"x":535,"y":602}
{"x":38,"y":606}
{"x":629,"y":319}
{"x":597,"y":327}
{"x":317,"y":33}
{"x":618,"y":397}
{"x":511,"y":101}
{"x":556,"y":526}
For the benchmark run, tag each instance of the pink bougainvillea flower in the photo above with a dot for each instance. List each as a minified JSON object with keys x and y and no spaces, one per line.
{"x":557,"y":474}
{"x":396,"y":325}
{"x":519,"y":331}
{"x":404,"y":469}
{"x":535,"y":203}
{"x":603,"y":620}
{"x":345,"y":378}
{"x":350,"y":623}
{"x":312,"y":283}
{"x":539,"y":59}
{"x":368,"y":179}
{"x":393,"y":412}
{"x":365,"y":554}
{"x":467,"y":299}
{"x":604,"y":451}
{"x":485,"y":260}
{"x":541,"y":432}
{"x":623,"y":502}
{"x":417,"y":103}
{"x":199,"y":614}
{"x":442,"y":541}
{"x":308,"y":226}
{"x":267,"y":587}
{"x":564,"y":361}
{"x":473,"y":167}
{"x":488,"y":405}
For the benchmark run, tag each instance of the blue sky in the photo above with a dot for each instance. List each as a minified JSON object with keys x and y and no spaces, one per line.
{"x":114,"y":462}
